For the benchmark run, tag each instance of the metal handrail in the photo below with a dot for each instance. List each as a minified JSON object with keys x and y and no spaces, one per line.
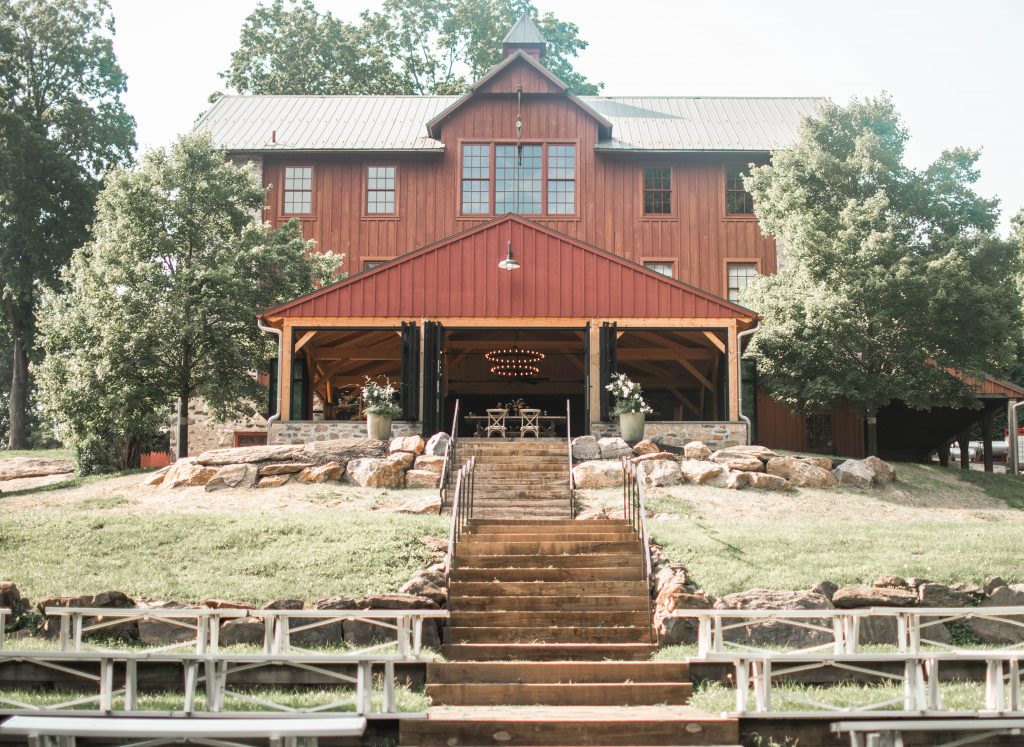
{"x":462,"y":511}
{"x":635,"y":513}
{"x":568,"y":443}
{"x":450,"y":457}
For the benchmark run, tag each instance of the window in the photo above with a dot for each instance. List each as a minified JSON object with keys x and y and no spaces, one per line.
{"x":380,"y":190}
{"x":476,"y":179}
{"x":819,"y":432}
{"x":740,"y":275}
{"x":738,"y":201}
{"x":298,"y":189}
{"x":561,"y":179}
{"x":662,"y":268}
{"x":658,"y":191}
{"x":369,"y":264}
{"x":517,"y":178}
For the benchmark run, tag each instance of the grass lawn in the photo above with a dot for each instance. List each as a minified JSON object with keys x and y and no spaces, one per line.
{"x":38,"y":453}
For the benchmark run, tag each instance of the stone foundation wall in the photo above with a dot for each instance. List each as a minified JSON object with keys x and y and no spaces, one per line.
{"x":205,"y":433}
{"x":305,"y":431}
{"x":715,"y":434}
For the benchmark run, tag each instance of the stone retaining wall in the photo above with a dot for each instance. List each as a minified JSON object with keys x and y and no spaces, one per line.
{"x":715,"y":434}
{"x":307,"y":431}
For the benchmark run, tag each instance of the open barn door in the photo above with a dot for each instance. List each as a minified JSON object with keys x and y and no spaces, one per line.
{"x":433,"y":378}
{"x":608,"y":363}
{"x":409,"y":395}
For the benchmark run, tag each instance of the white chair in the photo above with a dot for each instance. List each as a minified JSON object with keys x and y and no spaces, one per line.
{"x":496,"y":421}
{"x":530,"y":424}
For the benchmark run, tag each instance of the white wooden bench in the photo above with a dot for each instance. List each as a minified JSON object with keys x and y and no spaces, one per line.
{"x":889,"y":733}
{"x":44,"y":731}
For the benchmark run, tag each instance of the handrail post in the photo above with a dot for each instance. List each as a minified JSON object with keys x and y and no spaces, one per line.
{"x":568,"y":443}
{"x":450,"y":458}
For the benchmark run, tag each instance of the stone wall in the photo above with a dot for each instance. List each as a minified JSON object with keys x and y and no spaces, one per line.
{"x":715,"y":434}
{"x":205,"y":433}
{"x":305,"y":431}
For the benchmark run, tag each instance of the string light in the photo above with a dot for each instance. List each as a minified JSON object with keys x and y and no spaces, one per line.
{"x":514,"y":362}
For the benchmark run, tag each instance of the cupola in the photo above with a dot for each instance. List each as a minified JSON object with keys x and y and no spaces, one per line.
{"x":524,"y":37}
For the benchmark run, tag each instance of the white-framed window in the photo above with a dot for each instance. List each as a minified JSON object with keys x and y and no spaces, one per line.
{"x":662,"y":268}
{"x":298,"y":190}
{"x":561,"y":179}
{"x":740,"y":275}
{"x":476,"y":179}
{"x":380,"y":190}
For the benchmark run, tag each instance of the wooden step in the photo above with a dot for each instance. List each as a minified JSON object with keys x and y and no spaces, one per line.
{"x":563,"y":589}
{"x":548,"y":603}
{"x":548,"y":651}
{"x":583,"y":560}
{"x":548,"y":574}
{"x":551,"y":527}
{"x":548,"y":618}
{"x":516,"y":523}
{"x":604,"y":726}
{"x":559,"y":671}
{"x":561,"y":694}
{"x":569,"y":536}
{"x":549,"y":547}
{"x":533,"y":634}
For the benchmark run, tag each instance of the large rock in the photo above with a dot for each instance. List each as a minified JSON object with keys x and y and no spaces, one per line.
{"x":422,"y":478}
{"x":242,"y":631}
{"x":761,"y":452}
{"x":327,"y":634}
{"x":18,"y":468}
{"x":155,"y":478}
{"x":673,"y":625}
{"x":371,"y":472}
{"x":697,"y":450}
{"x":330,"y":472}
{"x":740,"y":462}
{"x":273,"y":481}
{"x":105,"y":599}
{"x":585,"y":448}
{"x":940,"y":595}
{"x":659,"y":473}
{"x":424,"y":584}
{"x":338,"y":450}
{"x":433,"y":464}
{"x":361,"y":633}
{"x":655,"y":456}
{"x":602,"y":473}
{"x":412,"y":444}
{"x":801,"y":473}
{"x":646,"y":447}
{"x":700,"y":472}
{"x":855,"y":473}
{"x":992,"y":631}
{"x":405,"y":459}
{"x":282,"y":468}
{"x":818,"y":461}
{"x":849,"y":597}
{"x":777,"y":633}
{"x":233,"y":476}
{"x":10,"y":598}
{"x":613,"y":447}
{"x":430,"y":504}
{"x":883,"y":471}
{"x":157,"y":631}
{"x":736,"y":479}
{"x":764,"y":481}
{"x":437,"y":445}
{"x":187,"y":473}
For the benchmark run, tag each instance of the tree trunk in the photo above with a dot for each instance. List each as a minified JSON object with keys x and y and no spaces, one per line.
{"x":19,"y":396}
{"x":872,"y":418}
{"x":182,"y":425}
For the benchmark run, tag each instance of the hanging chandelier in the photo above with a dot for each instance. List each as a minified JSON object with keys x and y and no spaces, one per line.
{"x":514,"y":362}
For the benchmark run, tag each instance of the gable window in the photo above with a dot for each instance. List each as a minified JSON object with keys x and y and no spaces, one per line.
{"x":740,"y":274}
{"x":517,"y":178}
{"x":298,"y":190}
{"x":662,"y":268}
{"x":657,"y":191}
{"x":819,"y":432}
{"x":561,"y":179}
{"x":738,"y":201}
{"x":369,"y":264}
{"x":380,"y":190}
{"x":476,"y":179}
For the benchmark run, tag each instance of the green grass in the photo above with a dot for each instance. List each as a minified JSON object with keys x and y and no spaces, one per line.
{"x":1001,"y":486}
{"x":72,"y":482}
{"x":249,"y":557}
{"x":38,"y":453}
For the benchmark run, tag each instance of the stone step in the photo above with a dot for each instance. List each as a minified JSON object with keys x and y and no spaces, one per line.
{"x":548,"y":651}
{"x":588,"y":560}
{"x":560,"y":694}
{"x":582,"y":726}
{"x":547,"y":574}
{"x":563,"y":589}
{"x":564,"y":671}
{"x":532,"y":634}
{"x":638,"y":601}
{"x":549,"y":547}
{"x":598,"y":618}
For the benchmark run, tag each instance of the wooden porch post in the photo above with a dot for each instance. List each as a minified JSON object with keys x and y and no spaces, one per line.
{"x":986,"y":438}
{"x":594,"y":348}
{"x":285,"y":385}
{"x":734,"y":372}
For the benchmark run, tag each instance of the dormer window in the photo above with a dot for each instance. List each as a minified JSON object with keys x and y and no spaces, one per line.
{"x":517,"y":179}
{"x":530,"y":179}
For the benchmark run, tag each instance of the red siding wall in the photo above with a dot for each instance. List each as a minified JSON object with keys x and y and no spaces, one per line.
{"x":779,"y":428}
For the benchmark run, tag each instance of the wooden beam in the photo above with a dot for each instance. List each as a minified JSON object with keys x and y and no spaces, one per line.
{"x":686,"y":402}
{"x":594,"y":395}
{"x":304,"y":339}
{"x":734,"y":373}
{"x":286,"y":371}
{"x":698,"y":375}
{"x":504,"y":322}
{"x":713,"y":339}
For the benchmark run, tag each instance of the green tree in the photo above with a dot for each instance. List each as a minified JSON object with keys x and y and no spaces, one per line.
{"x":162,"y":303}
{"x":62,"y":124}
{"x":895,"y":285}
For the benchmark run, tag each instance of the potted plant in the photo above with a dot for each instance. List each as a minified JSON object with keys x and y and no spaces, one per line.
{"x":380,"y":407}
{"x":629,"y":406}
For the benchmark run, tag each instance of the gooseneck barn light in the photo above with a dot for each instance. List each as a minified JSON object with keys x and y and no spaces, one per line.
{"x":509,"y":263}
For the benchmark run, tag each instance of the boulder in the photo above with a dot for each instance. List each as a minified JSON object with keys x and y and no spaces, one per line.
{"x":855,"y":473}
{"x":940,"y":595}
{"x":19,"y":468}
{"x":362,"y":633}
{"x":330,"y":472}
{"x":282,"y":468}
{"x":105,"y":599}
{"x":433,"y":464}
{"x":412,"y":444}
{"x":678,"y":595}
{"x":659,"y":473}
{"x":371,"y":472}
{"x":992,"y":631}
{"x":654,"y":457}
{"x":437,"y":445}
{"x":736,"y":480}
{"x":251,"y":455}
{"x":186,"y":473}
{"x":405,"y":459}
{"x":849,"y":597}
{"x":602,"y":473}
{"x":818,"y":461}
{"x":155,"y":631}
{"x":593,"y":513}
{"x":428,"y":504}
{"x":883,"y":471}
{"x":226,"y":604}
{"x":739,"y":462}
{"x":975,"y":591}
{"x":10,"y":598}
{"x":273,"y":481}
{"x":646,"y":447}
{"x":425,"y":585}
{"x":699,"y":472}
{"x":669,"y":574}
{"x":613,"y":447}
{"x":994,"y":583}
{"x":778,"y":633}
{"x":761,"y":452}
{"x":338,"y":450}
{"x":422,"y":478}
{"x":825,"y":588}
{"x":434,"y":544}
{"x":764,"y":481}
{"x":329,"y":634}
{"x":233,"y":476}
{"x":242,"y":631}
{"x":801,"y":473}
{"x":154,"y":479}
{"x":585,"y":448}
{"x":890,"y":581}
{"x":697,"y":450}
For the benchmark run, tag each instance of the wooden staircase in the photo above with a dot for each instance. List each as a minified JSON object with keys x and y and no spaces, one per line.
{"x":518,"y":477}
{"x":549,"y":643}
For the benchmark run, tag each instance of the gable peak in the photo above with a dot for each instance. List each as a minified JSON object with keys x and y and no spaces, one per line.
{"x":524,"y":36}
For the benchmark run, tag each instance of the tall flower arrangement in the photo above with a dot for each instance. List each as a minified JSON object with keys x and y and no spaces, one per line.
{"x":628,"y":395}
{"x":379,"y":399}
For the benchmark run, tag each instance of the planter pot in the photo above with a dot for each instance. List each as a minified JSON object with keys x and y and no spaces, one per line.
{"x":631,"y":426}
{"x":378,"y":426}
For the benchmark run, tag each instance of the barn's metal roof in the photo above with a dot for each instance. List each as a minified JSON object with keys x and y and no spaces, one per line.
{"x":524,"y":32}
{"x":399,"y":123}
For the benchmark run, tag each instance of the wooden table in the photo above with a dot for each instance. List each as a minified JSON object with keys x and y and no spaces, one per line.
{"x":547,"y":422}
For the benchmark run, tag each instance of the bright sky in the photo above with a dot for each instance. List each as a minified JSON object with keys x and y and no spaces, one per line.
{"x":954,"y":67}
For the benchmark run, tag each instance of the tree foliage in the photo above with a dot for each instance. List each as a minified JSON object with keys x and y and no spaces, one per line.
{"x":895,"y":285}
{"x":407,"y":47}
{"x":162,"y":303}
{"x":62,"y":124}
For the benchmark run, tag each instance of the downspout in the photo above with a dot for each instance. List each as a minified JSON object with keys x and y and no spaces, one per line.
{"x":1013,"y":440}
{"x":280,"y":364}
{"x":739,"y":377}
